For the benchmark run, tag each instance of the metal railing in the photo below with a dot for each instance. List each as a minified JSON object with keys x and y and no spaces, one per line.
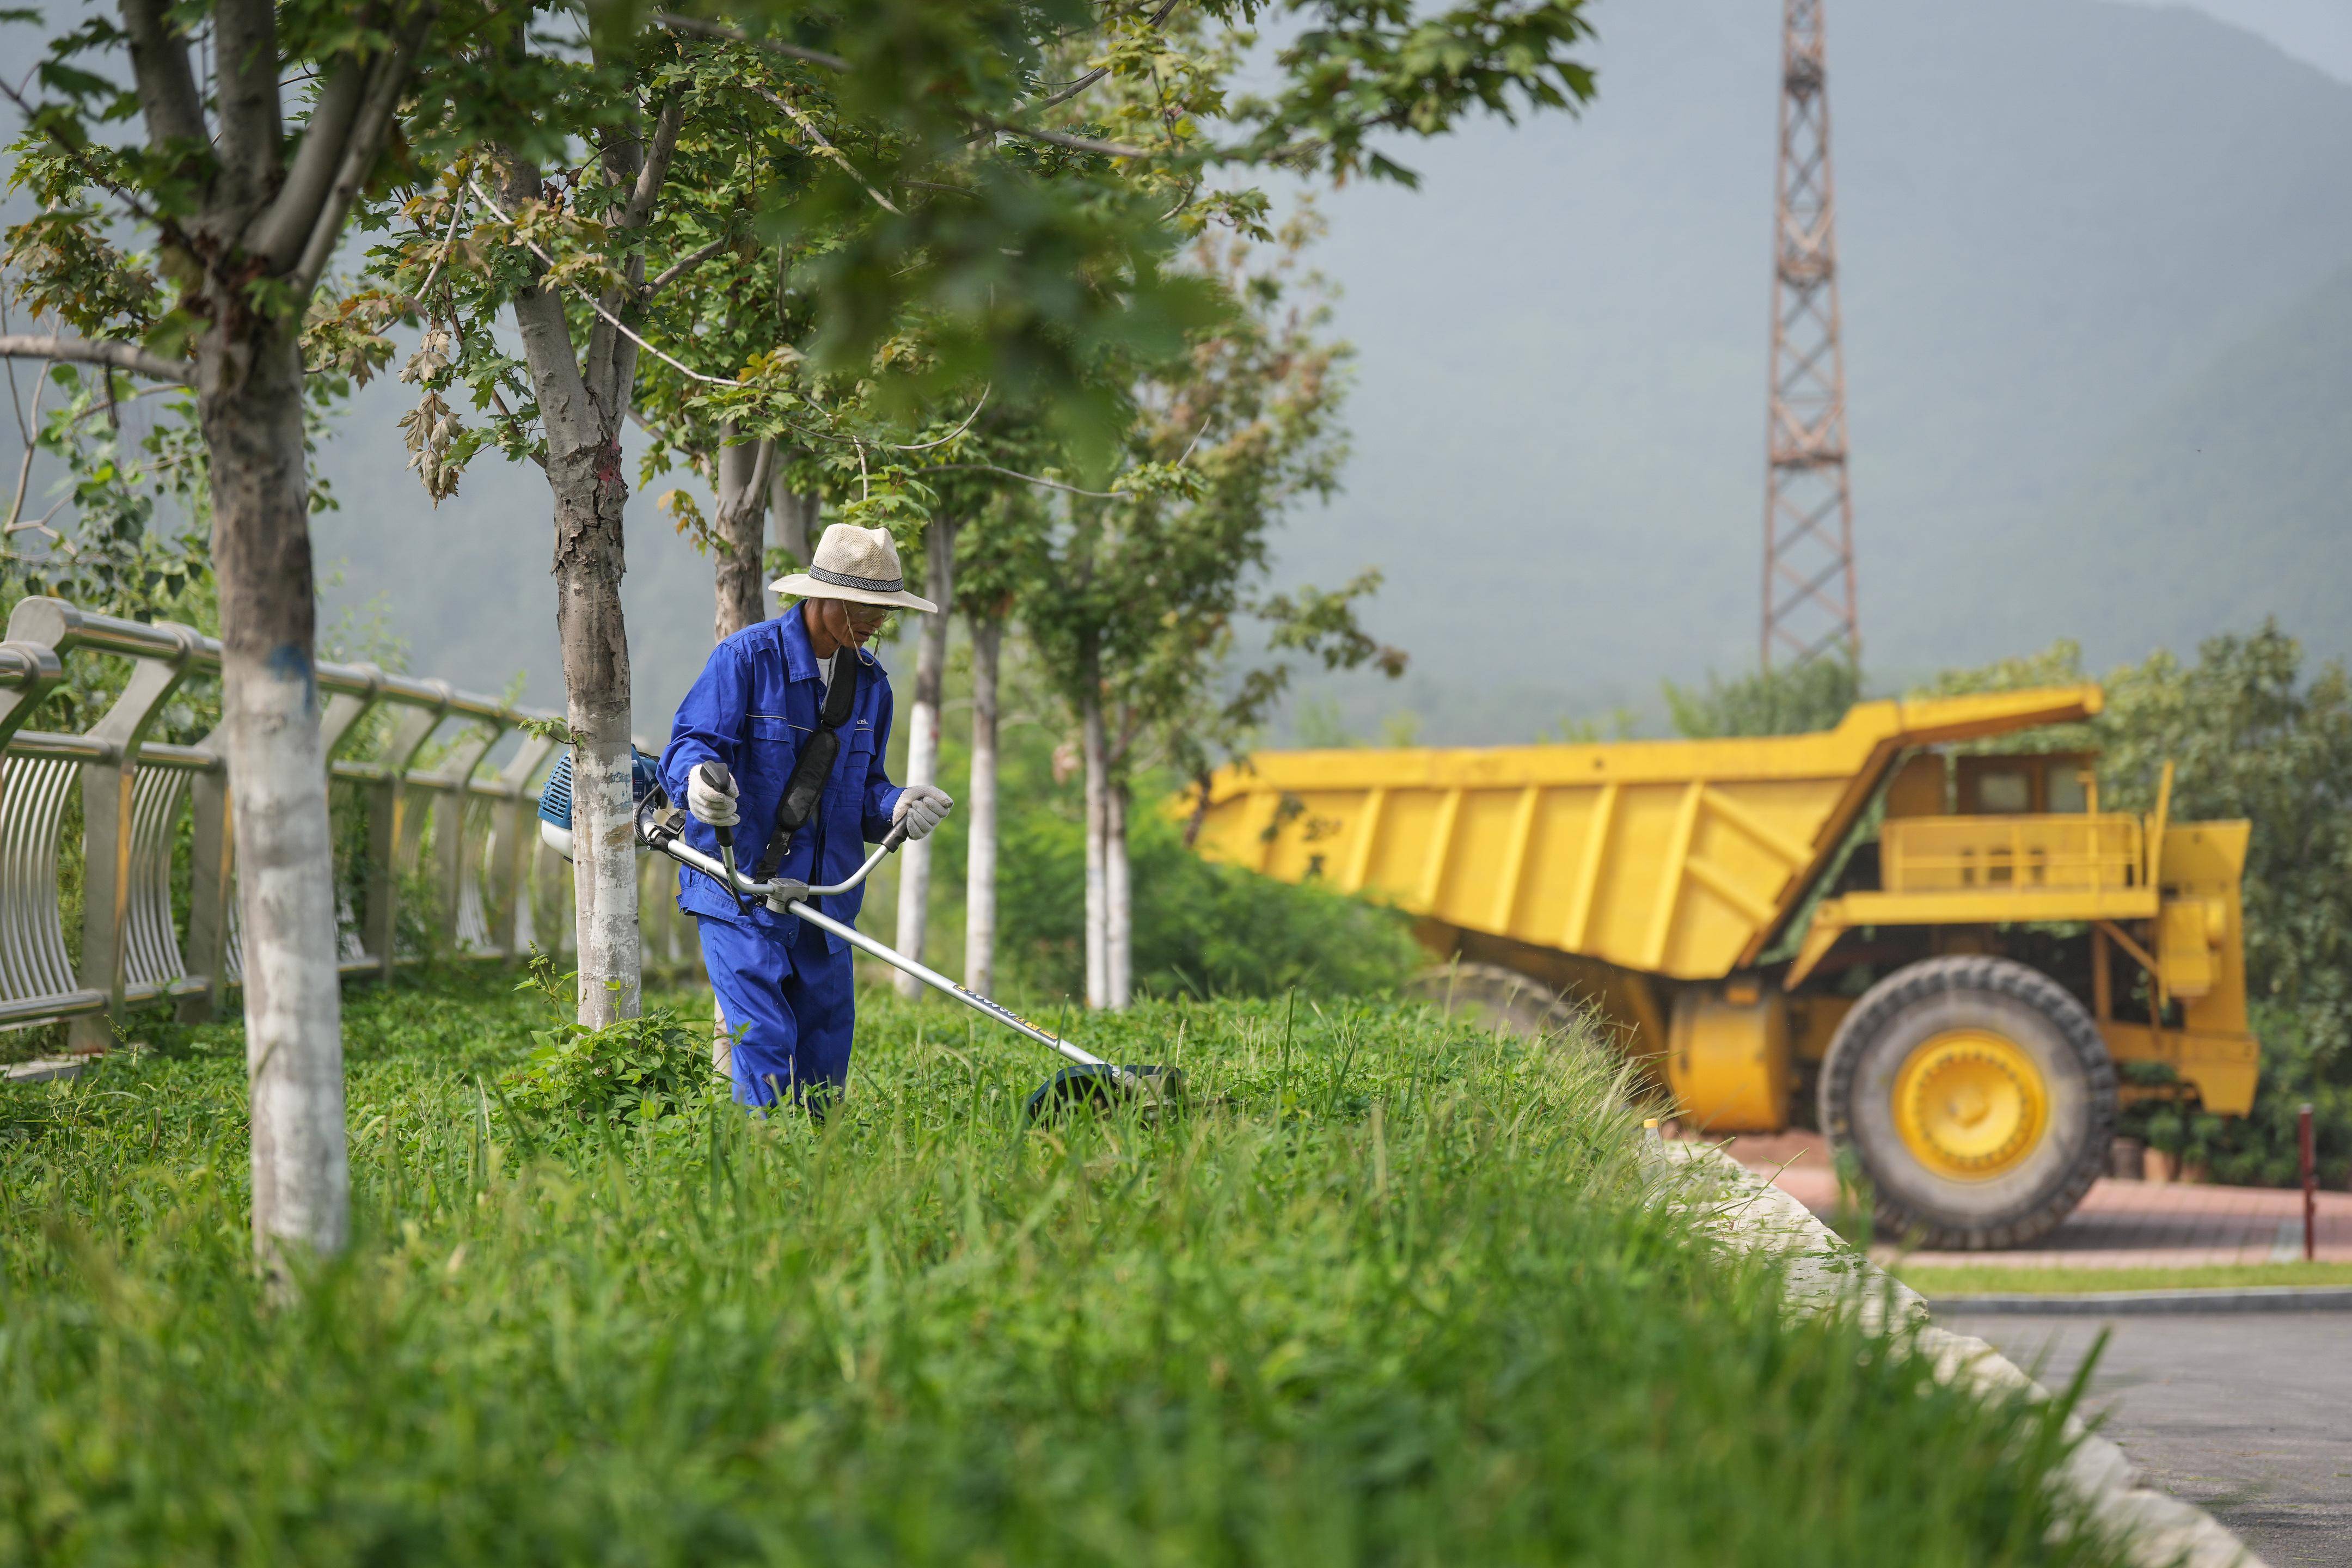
{"x":2069,"y":853}
{"x":443,"y":857}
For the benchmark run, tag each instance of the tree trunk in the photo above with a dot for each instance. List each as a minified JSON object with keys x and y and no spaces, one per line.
{"x":583,"y":476}
{"x":250,"y":408}
{"x":923,"y":742}
{"x":980,"y":809}
{"x":583,"y":403}
{"x":589,"y":496}
{"x":1118,"y":906}
{"x":795,"y":515}
{"x":741,"y":526}
{"x":1094,"y":748}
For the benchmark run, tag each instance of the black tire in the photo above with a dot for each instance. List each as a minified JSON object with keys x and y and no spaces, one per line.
{"x":1921,"y":1206}
{"x":1499,"y":998}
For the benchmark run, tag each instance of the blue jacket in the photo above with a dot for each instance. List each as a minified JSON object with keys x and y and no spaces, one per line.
{"x":754,"y":707}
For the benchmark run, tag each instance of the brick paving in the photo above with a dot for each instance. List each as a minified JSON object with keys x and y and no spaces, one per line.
{"x":2119,"y":1225}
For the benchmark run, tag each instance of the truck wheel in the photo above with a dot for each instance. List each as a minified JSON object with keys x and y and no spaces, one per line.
{"x":1977,"y":1094}
{"x":1498,"y":997}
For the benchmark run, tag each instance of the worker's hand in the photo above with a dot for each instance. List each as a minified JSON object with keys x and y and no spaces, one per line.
{"x":921,"y":807}
{"x":711,"y":794}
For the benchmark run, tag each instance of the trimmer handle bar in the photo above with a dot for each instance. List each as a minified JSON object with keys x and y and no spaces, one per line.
{"x":786,"y":896}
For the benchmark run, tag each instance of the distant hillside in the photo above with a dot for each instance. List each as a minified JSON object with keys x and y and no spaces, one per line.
{"x":2233,"y":500}
{"x":2098,"y":333}
{"x":2059,"y":220}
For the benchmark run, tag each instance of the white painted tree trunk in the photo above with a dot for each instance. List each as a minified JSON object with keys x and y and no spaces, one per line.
{"x":1097,"y":755}
{"x":923,"y":742}
{"x":583,"y":402}
{"x":250,"y":406}
{"x":980,"y":805}
{"x":604,"y":879}
{"x":293,"y":991}
{"x":1118,"y":903}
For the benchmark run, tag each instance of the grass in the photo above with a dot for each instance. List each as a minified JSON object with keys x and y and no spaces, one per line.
{"x":1387,"y":1292}
{"x":1964,"y":1279}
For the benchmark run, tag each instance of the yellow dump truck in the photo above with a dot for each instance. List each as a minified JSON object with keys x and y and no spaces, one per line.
{"x":1950,"y":993}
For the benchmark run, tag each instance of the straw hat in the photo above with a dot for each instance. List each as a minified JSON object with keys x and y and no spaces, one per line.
{"x":859,"y":565}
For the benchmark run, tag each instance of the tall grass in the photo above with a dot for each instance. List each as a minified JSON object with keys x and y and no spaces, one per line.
{"x":1385,"y":1292}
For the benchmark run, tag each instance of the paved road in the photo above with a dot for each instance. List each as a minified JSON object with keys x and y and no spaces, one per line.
{"x":2249,"y":1415}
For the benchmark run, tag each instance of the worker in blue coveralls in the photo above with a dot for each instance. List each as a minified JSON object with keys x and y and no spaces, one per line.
{"x":786,"y":990}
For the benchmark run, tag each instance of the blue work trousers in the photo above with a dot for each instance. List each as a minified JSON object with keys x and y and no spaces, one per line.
{"x":788,"y":1009}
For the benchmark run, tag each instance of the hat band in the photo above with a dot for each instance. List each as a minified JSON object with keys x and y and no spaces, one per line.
{"x":871,"y":584}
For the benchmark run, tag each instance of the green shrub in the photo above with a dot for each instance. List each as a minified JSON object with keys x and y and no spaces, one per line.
{"x":1784,"y":701}
{"x":643,"y":1067}
{"x":1200,"y":930}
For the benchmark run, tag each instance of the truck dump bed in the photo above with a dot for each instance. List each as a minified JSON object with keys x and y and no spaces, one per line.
{"x":1676,"y":857}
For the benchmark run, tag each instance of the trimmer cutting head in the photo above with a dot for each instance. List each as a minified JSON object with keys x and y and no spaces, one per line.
{"x":1100,"y":1086}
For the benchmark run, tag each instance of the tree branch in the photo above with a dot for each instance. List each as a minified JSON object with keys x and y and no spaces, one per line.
{"x":611,"y":365}
{"x":655,"y":169}
{"x":763,"y":468}
{"x":128,"y":357}
{"x":284,"y":226}
{"x":566,"y":412}
{"x":677,"y":24}
{"x":166,"y":82}
{"x":1062,"y":139}
{"x":683,"y":265}
{"x":371,"y":127}
{"x":808,"y":126}
{"x":1099,"y":72}
{"x":1025,"y":478}
{"x":31,"y":434}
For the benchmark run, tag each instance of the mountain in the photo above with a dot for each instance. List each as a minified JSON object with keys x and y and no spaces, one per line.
{"x":2232,"y":500}
{"x":2096,"y":321}
{"x":2064,"y":226}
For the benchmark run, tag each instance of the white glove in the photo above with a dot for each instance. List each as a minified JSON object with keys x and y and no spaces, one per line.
{"x":711,"y":794}
{"x":921,"y":807}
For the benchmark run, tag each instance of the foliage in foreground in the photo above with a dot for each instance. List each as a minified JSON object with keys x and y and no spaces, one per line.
{"x":1384,"y":1293}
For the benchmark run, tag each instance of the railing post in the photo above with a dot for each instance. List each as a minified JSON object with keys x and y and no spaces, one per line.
{"x":449,"y":822}
{"x":344,"y":711}
{"x":516,"y":833}
{"x":106,"y":832}
{"x":212,"y":880}
{"x":387,"y":806}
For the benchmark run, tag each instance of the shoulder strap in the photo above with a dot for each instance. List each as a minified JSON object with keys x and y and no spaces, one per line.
{"x":806,"y":785}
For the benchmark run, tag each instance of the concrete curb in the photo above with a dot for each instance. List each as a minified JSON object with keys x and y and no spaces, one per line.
{"x":2131,"y":1304}
{"x":2154,"y":1529}
{"x":46,"y":1069}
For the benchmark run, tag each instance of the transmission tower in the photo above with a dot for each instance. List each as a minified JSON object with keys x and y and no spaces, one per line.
{"x":1809,"y":599}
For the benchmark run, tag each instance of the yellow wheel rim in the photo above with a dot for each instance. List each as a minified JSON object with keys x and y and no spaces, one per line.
{"x":1970,"y":1105}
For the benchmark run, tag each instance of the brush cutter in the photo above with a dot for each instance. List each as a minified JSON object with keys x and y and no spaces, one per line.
{"x":1088,"y":1080}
